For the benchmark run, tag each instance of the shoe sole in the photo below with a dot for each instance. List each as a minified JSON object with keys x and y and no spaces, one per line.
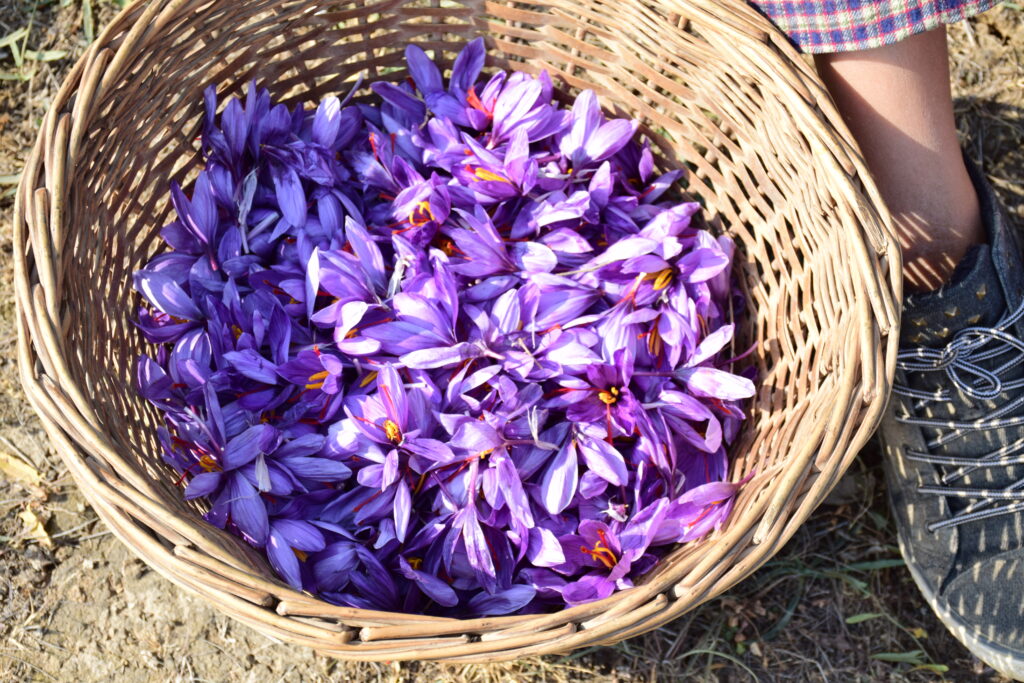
{"x":1006,"y":662}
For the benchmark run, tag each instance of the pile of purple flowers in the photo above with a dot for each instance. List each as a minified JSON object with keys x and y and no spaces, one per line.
{"x":450,"y":354}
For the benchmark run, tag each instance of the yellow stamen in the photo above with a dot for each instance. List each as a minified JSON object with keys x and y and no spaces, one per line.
{"x":654,"y":341}
{"x":209,"y":464}
{"x":369,"y":378}
{"x":484,"y":174}
{"x":237,"y":331}
{"x":352,"y":333}
{"x":662,"y":279}
{"x":421,"y":215}
{"x":415,"y":562}
{"x":392,"y":431}
{"x":317,"y":380}
{"x":609,"y":397}
{"x":301,"y":554}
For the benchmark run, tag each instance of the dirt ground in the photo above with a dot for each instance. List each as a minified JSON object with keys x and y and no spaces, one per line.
{"x":834,"y":605}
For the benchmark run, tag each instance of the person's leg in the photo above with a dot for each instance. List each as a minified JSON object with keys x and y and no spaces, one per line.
{"x":953,"y":433}
{"x":896,"y":101}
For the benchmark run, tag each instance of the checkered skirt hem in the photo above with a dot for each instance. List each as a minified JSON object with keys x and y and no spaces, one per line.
{"x":818,"y":26}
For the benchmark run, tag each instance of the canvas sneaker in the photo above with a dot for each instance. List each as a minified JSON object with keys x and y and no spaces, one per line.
{"x":953,"y":444}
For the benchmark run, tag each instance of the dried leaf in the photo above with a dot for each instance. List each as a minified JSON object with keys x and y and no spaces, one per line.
{"x":34,"y":529}
{"x":15,"y":469}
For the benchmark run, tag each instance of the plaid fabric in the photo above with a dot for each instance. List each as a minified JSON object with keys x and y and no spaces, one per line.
{"x":844,"y":25}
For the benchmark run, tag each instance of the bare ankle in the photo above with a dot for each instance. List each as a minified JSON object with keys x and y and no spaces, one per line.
{"x":931,"y":253}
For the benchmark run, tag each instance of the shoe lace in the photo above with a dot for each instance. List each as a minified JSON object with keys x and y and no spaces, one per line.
{"x":967,"y":361}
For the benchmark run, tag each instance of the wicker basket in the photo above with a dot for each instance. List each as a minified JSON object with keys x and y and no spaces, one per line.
{"x":716,"y":88}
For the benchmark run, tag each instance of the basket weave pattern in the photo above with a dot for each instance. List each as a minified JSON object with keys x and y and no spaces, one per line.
{"x":716,"y":89}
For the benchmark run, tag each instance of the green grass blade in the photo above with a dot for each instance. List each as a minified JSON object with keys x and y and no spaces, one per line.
{"x":866,"y":616}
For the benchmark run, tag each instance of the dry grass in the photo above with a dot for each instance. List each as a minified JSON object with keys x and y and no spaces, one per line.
{"x":834,"y":605}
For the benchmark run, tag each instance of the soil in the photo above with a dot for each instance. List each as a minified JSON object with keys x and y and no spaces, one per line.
{"x":834,"y":604}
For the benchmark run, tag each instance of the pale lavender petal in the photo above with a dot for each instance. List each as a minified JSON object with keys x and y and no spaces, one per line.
{"x":317,"y":469}
{"x":560,"y":479}
{"x":710,"y":493}
{"x":403,"y":509}
{"x":262,"y":474}
{"x":610,"y":138}
{"x":431,"y":449}
{"x":327,"y":121}
{"x":393,"y":396}
{"x":166,"y":294}
{"x":476,"y":437}
{"x":604,"y":460}
{"x":714,"y":383}
{"x":701,"y":265}
{"x":533,"y":257}
{"x":567,"y":241}
{"x":477,"y":550}
{"x":544,"y":549}
{"x":711,"y":344}
{"x":430,"y":359}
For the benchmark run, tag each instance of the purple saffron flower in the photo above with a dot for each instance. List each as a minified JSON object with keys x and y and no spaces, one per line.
{"x":453,"y":351}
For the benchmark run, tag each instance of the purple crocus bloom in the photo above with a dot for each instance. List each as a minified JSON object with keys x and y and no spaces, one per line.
{"x":315,"y":369}
{"x":237,"y":500}
{"x":288,"y":543}
{"x":591,"y":139}
{"x":604,"y":397}
{"x":610,"y":551}
{"x":698,"y":511}
{"x":395,"y":419}
{"x":452,"y":351}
